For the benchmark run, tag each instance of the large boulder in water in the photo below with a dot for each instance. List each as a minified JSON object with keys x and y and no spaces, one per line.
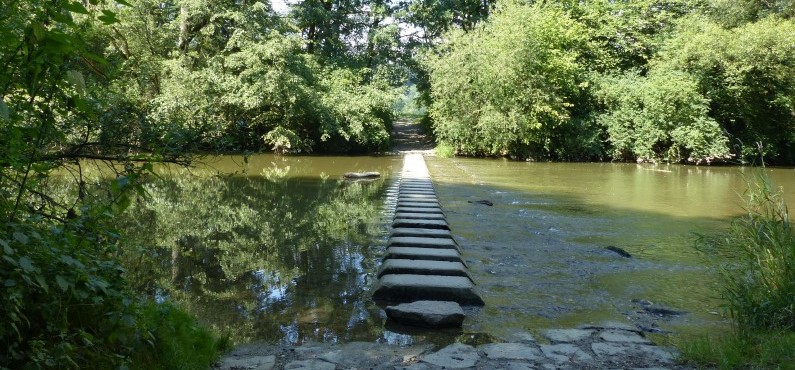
{"x":431,"y":314}
{"x":361,"y":175}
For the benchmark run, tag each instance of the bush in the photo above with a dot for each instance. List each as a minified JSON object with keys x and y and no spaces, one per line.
{"x":660,"y":117}
{"x":63,"y":304}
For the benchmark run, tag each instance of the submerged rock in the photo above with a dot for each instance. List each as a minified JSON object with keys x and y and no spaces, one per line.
{"x":432,"y":314}
{"x":618,"y":251}
{"x":361,"y":175}
{"x":482,"y":201}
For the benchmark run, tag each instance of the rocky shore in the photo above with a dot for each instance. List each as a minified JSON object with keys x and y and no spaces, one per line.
{"x":607,"y":346}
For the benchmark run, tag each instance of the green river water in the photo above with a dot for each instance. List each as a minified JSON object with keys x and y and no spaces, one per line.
{"x":282,"y":250}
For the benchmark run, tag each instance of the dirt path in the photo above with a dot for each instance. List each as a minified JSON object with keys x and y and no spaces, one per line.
{"x":408,"y":137}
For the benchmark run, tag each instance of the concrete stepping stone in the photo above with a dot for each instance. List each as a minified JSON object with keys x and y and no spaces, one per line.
{"x":418,"y":196}
{"x":416,"y":190}
{"x":410,"y":288}
{"x":430,"y":314}
{"x":421,"y":216}
{"x":411,"y":241}
{"x":413,"y":204}
{"x":398,"y":266}
{"x":421,"y":223}
{"x":418,"y":200}
{"x":428,"y":254}
{"x":421,"y":232}
{"x":435,"y":210}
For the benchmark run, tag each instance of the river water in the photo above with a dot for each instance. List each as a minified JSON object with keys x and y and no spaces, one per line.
{"x":282,"y":250}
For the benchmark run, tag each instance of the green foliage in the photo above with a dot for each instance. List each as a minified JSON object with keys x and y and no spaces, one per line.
{"x":747,"y":76}
{"x":659,"y":117}
{"x":64,"y":305}
{"x":174,"y":341}
{"x":508,"y":86}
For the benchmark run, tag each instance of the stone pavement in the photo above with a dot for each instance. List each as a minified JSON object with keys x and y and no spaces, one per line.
{"x":607,"y":346}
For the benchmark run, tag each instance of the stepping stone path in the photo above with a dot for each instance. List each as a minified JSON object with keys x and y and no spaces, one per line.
{"x":607,"y":346}
{"x":423,"y":262}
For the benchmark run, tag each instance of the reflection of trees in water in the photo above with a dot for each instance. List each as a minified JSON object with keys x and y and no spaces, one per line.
{"x":266,"y":257}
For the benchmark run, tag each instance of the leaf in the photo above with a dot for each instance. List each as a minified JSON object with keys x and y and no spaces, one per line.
{"x":4,"y":112}
{"x":25,"y":264}
{"x":77,"y":80}
{"x":62,"y":283}
{"x":123,"y":2}
{"x":10,"y":282}
{"x":20,"y":237}
{"x":75,"y":7}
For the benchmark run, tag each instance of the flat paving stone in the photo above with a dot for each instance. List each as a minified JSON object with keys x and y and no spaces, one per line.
{"x":421,"y":223}
{"x":623,"y":336}
{"x":567,"y":335}
{"x":421,"y":232}
{"x":428,"y":254}
{"x":409,"y":288}
{"x":651,"y":354}
{"x":454,"y":356}
{"x":565,"y":352}
{"x":510,"y":351}
{"x":431,"y":210}
{"x":419,"y":267}
{"x":412,"y":204}
{"x":310,"y":365}
{"x":419,"y":242}
{"x":248,"y":363}
{"x":421,"y":216}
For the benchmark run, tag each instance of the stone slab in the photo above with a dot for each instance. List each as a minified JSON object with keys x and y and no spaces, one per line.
{"x":411,"y":204}
{"x":421,"y":232}
{"x":565,"y":352}
{"x":421,"y":223}
{"x":417,"y":191}
{"x":420,"y":267}
{"x":428,"y":254}
{"x":510,"y":351}
{"x":567,"y":335}
{"x":248,"y":363}
{"x":431,"y":314}
{"x":405,"y":199}
{"x":409,"y":288}
{"x":432,"y":210}
{"x":412,"y":195}
{"x":310,"y":365}
{"x":454,"y":356}
{"x":419,"y":216}
{"x":418,"y":242}
{"x":623,"y":336}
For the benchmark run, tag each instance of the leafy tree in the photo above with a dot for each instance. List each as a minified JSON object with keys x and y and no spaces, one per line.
{"x":507,"y":86}
{"x":747,"y":76}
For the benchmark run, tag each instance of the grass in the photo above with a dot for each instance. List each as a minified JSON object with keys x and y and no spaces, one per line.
{"x":175,"y":341}
{"x":756,"y":259}
{"x":731,"y":351}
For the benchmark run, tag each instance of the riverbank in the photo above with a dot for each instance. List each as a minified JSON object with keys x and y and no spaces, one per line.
{"x":609,"y":345}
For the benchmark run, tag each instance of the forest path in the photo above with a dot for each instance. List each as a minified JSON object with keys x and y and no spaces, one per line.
{"x":409,"y":137}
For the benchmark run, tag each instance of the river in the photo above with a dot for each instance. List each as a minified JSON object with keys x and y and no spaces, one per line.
{"x":282,"y":250}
